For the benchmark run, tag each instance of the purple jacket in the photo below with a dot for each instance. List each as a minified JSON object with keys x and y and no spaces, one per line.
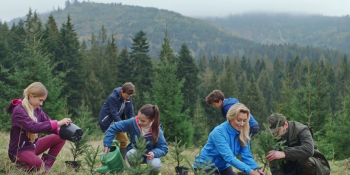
{"x":21,"y":123}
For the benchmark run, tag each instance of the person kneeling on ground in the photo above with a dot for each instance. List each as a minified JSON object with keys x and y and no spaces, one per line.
{"x":145,"y":124}
{"x":27,"y":122}
{"x":228,"y":140}
{"x":302,"y":156}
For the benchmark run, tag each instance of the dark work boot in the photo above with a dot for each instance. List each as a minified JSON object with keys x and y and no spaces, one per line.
{"x":123,"y":152}
{"x":48,"y":160}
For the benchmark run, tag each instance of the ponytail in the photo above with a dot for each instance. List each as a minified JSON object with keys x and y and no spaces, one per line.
{"x":152,"y":113}
{"x":36,"y":89}
{"x":155,"y":125}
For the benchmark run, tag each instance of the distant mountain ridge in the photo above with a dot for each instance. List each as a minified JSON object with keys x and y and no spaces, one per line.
{"x":315,"y":30}
{"x":124,"y":21}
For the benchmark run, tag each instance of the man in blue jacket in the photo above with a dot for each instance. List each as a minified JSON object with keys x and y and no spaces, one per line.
{"x":218,"y":100}
{"x":118,"y":107}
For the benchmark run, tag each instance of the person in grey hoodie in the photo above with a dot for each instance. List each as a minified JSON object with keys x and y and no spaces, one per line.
{"x":27,"y":122}
{"x":117,"y":107}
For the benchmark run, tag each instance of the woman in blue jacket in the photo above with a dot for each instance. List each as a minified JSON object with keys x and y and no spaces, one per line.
{"x":228,"y":140}
{"x":147,"y":123}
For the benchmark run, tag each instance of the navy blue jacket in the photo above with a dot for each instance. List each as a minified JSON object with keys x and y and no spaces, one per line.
{"x":131,"y":126}
{"x":110,"y":109}
{"x":228,"y":102}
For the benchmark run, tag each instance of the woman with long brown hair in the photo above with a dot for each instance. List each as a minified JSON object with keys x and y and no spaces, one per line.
{"x":145,"y":124}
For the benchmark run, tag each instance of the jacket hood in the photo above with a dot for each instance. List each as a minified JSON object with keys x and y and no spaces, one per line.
{"x":116,"y":92}
{"x":230,"y":101}
{"x":13,"y":104}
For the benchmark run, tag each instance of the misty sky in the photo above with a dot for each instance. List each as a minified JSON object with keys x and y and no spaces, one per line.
{"x":195,"y":8}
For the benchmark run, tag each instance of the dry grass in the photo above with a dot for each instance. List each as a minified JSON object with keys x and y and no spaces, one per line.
{"x":168,"y":163}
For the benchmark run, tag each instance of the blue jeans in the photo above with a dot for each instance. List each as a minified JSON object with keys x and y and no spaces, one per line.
{"x":253,"y":130}
{"x":155,"y":162}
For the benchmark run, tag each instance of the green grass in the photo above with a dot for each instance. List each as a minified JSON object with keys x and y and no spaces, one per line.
{"x":168,"y":163}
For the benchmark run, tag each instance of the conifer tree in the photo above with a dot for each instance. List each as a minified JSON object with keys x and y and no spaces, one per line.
{"x":228,"y":84}
{"x":203,"y":63}
{"x":71,"y":63}
{"x":142,"y":69}
{"x":167,"y":96}
{"x":254,"y":100}
{"x":188,"y":71}
{"x":278,"y":76}
{"x":266,"y":87}
{"x":242,"y":85}
{"x":124,"y":71}
{"x":51,"y":39}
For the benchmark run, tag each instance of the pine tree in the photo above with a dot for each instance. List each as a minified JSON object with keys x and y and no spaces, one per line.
{"x":188,"y":71}
{"x":254,"y":100}
{"x":124,"y":71}
{"x":142,"y":71}
{"x":71,"y":63}
{"x":167,"y":96}
{"x":51,"y":39}
{"x":203,"y":63}
{"x":266,"y":86}
{"x":278,"y":77}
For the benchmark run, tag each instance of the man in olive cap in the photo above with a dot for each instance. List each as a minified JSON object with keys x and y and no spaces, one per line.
{"x":301,"y":155}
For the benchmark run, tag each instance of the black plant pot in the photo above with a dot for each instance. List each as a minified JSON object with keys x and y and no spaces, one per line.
{"x":71,"y":132}
{"x":74,"y":164}
{"x":181,"y":170}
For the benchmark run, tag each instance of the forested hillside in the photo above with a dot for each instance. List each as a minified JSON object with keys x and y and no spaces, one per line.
{"x":324,"y":32}
{"x":123,"y":21}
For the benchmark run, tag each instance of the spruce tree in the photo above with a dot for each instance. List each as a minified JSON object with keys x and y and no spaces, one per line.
{"x":124,"y":71}
{"x":188,"y":71}
{"x":203,"y":63}
{"x":142,"y":69}
{"x":71,"y":63}
{"x":254,"y":100}
{"x":266,"y":86}
{"x":167,"y":96}
{"x":51,"y":39}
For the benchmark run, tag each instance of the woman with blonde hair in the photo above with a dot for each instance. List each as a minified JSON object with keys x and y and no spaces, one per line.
{"x":228,"y":140}
{"x":27,"y":122}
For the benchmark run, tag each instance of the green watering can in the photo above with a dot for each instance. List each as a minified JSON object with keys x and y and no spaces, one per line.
{"x":113,"y":162}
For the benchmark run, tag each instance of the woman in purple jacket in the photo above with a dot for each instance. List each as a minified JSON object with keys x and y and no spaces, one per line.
{"x":28,"y":121}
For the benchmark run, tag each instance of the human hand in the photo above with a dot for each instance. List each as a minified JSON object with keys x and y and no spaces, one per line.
{"x":272,"y":155}
{"x":260,"y":172}
{"x":106,"y":150}
{"x":150,"y":155}
{"x":65,"y":121}
{"x":254,"y":172}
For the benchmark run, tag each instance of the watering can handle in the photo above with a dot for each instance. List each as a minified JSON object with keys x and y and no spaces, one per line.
{"x":116,"y":143}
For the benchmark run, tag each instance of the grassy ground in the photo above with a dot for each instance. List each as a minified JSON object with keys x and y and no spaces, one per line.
{"x":168,"y":163}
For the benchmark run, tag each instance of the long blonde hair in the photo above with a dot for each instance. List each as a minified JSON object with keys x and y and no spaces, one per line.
{"x":35,"y":89}
{"x":232,"y":114}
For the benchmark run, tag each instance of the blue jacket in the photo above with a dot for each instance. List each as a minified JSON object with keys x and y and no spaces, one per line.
{"x":222,"y":148}
{"x":110,"y":109}
{"x":227,"y":105}
{"x":131,"y":126}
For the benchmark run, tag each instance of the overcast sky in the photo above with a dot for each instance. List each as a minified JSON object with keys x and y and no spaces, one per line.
{"x":18,"y":8}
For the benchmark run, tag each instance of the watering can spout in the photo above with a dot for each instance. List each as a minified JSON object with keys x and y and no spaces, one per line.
{"x":112,"y":162}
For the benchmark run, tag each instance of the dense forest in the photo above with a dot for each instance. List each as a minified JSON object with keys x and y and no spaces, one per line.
{"x":305,"y":84}
{"x":326,"y":32}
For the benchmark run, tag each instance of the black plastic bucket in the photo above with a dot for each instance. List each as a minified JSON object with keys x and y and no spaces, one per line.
{"x":71,"y":132}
